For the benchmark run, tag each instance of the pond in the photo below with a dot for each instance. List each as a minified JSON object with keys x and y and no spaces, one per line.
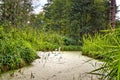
{"x":67,"y":65}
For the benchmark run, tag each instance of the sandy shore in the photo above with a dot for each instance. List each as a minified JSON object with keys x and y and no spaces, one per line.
{"x":66,"y":66}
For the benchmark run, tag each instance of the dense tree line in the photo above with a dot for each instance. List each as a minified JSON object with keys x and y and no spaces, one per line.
{"x":68,"y":17}
{"x":74,"y":18}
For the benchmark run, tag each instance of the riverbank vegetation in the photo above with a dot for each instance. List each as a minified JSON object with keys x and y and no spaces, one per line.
{"x":18,"y":46}
{"x":105,"y":47}
{"x":69,"y":24}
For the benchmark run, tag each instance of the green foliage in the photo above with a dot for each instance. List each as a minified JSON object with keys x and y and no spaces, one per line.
{"x":18,"y":45}
{"x":107,"y":48}
{"x":57,"y":15}
{"x":73,"y":18}
{"x":15,"y":54}
{"x":28,"y":55}
{"x":71,"y":48}
{"x":89,"y":16}
{"x":16,"y":13}
{"x":69,"y":41}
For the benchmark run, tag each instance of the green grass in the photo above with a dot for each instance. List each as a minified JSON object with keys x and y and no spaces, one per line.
{"x":105,"y":47}
{"x":71,"y":48}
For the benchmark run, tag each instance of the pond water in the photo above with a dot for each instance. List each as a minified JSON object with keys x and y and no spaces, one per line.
{"x":67,"y":65}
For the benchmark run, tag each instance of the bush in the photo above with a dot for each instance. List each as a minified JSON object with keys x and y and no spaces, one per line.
{"x":28,"y":55}
{"x":15,"y":54}
{"x":69,"y":41}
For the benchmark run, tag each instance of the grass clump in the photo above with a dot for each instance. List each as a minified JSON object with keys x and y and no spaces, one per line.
{"x":107,"y":48}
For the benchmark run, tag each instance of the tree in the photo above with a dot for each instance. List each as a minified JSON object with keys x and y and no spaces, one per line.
{"x":112,"y":13}
{"x":74,"y":18}
{"x":37,"y":21}
{"x":15,"y":12}
{"x":90,"y":15}
{"x":57,"y":13}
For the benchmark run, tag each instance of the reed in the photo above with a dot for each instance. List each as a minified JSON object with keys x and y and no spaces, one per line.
{"x":105,"y":47}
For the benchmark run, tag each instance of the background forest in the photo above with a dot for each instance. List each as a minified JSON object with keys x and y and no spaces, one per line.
{"x":70,"y":24}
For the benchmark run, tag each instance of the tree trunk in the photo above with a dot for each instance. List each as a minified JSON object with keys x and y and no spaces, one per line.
{"x":112,"y":13}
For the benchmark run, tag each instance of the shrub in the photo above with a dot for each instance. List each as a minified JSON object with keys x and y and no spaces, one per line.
{"x":15,"y":54}
{"x":28,"y":55}
{"x":69,"y":41}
